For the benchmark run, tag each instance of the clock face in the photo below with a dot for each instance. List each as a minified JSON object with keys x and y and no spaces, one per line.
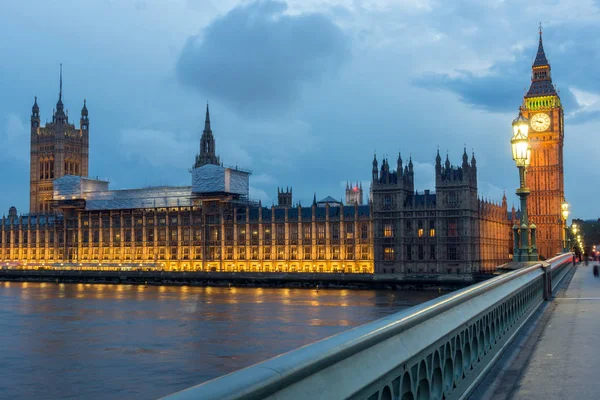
{"x":540,"y":122}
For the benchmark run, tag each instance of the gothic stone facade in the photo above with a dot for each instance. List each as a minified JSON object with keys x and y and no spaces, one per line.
{"x":545,"y":176}
{"x":400,"y":231}
{"x":450,"y":231}
{"x":57,"y":149}
{"x":219,"y":234}
{"x":174,"y":229}
{"x":354,"y":194}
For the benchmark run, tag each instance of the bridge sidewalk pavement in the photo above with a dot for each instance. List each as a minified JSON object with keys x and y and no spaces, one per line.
{"x":557,"y":356}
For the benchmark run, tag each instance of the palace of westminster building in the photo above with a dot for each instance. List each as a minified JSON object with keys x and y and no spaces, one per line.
{"x":212,"y":225}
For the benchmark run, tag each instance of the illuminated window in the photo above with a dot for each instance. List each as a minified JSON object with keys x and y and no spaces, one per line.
{"x":388,"y":253}
{"x":420,"y":232}
{"x":349,"y":230}
{"x":432,"y":232}
{"x":321,"y":253}
{"x":321,"y":231}
{"x":306,"y":230}
{"x":388,"y":231}
{"x":336,"y":253}
{"x":364,"y":252}
{"x":350,"y":252}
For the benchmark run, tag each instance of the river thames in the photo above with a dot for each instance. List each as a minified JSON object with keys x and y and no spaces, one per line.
{"x":68,"y":341}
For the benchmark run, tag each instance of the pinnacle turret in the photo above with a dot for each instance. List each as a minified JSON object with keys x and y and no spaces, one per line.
{"x":84,"y":110}
{"x":375,"y":170}
{"x":59,"y":115}
{"x":35,"y":109}
{"x":207,"y":153}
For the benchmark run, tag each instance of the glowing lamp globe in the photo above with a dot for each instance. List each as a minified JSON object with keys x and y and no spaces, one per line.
{"x":565,"y":210}
{"x":521,"y":151}
{"x":520,"y":124}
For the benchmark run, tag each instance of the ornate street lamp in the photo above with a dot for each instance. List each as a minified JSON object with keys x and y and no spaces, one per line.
{"x":521,"y":152}
{"x":565,"y":214}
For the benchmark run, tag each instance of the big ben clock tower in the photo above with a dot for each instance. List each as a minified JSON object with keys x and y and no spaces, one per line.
{"x":542,"y":106}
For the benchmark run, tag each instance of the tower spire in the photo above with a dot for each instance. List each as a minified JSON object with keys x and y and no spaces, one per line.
{"x":207,"y":153}
{"x":540,"y":58}
{"x":59,"y":115}
{"x":541,"y":80}
{"x":60,"y":88}
{"x":207,"y":119}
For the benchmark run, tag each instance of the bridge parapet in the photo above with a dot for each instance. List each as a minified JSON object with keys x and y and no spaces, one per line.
{"x":436,"y":350}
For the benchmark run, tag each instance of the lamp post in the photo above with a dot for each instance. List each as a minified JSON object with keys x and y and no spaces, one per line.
{"x":565,"y":214}
{"x":521,"y":152}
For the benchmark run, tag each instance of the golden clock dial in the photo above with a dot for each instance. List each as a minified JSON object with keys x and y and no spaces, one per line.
{"x":540,"y":122}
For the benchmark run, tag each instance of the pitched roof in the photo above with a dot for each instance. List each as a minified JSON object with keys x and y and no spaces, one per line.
{"x":540,"y":58}
{"x":541,"y":88}
{"x":329,"y":199}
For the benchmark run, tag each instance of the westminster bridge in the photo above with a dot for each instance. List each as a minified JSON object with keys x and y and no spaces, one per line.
{"x":529,"y":333}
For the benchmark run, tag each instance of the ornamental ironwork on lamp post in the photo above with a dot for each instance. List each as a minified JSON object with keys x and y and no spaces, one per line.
{"x":565,"y":214}
{"x":521,"y":152}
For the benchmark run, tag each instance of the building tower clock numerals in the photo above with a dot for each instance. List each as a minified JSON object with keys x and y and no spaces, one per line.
{"x":540,"y":122}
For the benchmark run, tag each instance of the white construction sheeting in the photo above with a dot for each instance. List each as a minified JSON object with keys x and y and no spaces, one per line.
{"x":165,"y":196}
{"x":75,"y":187}
{"x":211,"y":178}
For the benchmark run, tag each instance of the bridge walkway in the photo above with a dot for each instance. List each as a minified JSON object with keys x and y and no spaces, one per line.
{"x":557,"y":356}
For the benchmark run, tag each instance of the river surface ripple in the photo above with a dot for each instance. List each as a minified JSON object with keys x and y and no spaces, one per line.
{"x":73,"y":341}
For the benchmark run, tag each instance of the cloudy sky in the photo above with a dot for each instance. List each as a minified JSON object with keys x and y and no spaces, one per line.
{"x":301,"y":92}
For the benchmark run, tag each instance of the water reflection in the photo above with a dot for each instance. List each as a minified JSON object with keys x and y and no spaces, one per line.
{"x":125,"y":341}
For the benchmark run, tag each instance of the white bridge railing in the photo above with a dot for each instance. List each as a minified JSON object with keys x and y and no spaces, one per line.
{"x":436,"y":350}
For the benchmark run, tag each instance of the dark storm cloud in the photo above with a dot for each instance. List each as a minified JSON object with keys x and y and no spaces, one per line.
{"x":256,"y":58}
{"x":493,"y":92}
{"x":569,"y":50}
{"x":498,"y":90}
